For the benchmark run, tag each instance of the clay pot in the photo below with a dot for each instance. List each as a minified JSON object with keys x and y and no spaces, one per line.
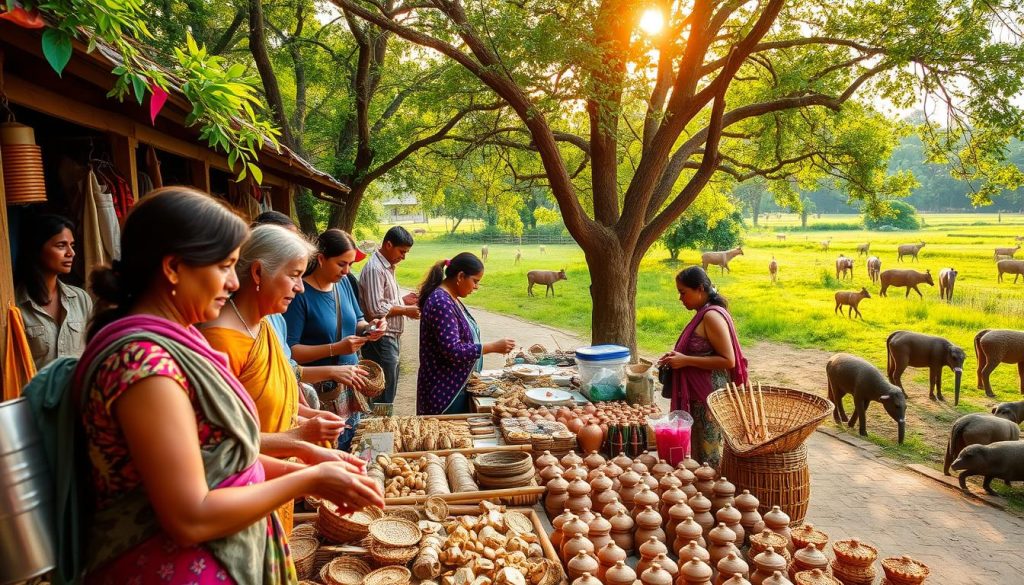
{"x":594,"y":460}
{"x":732,"y":564}
{"x":612,"y":470}
{"x":721,"y":541}
{"x":550,"y":472}
{"x":677,"y":514}
{"x":695,"y":572}
{"x":587,"y":515}
{"x":573,"y":526}
{"x":644,"y":498}
{"x":578,"y":543}
{"x":777,"y":578}
{"x":607,"y":556}
{"x":778,"y":522}
{"x":767,"y":564}
{"x":590,"y":438}
{"x":649,"y":480}
{"x":690,"y":463}
{"x":747,"y":504}
{"x":706,"y":480}
{"x":558,"y":536}
{"x":648,"y":523}
{"x":670,"y":498}
{"x":629,"y":482}
{"x":582,"y":563}
{"x":656,"y":576}
{"x":807,"y":559}
{"x":620,"y":574}
{"x":731,"y":517}
{"x":600,"y":499}
{"x":623,"y":461}
{"x":587,"y":579}
{"x":684,"y":475}
{"x":622,"y":530}
{"x":766,"y":538}
{"x":854,"y":553}
{"x":579,"y":495}
{"x":668,"y":482}
{"x":647,"y":459}
{"x":666,"y":563}
{"x":600,"y":482}
{"x":613,"y":507}
{"x":639,"y":467}
{"x":649,"y":549}
{"x":688,"y":530}
{"x":724,"y":493}
{"x":599,"y":531}
{"x":571,"y":459}
{"x":702,"y":512}
{"x":545,"y":459}
{"x":807,"y":534}
{"x":735,"y":580}
{"x":693,"y":551}
{"x":660,"y":469}
{"x":557,"y":495}
{"x":575,"y":472}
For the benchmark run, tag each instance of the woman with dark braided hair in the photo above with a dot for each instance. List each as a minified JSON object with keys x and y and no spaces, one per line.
{"x":706,"y":356}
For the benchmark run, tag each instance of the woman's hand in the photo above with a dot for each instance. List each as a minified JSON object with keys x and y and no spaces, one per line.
{"x":321,"y":428}
{"x":382,"y":327}
{"x":500,"y":346}
{"x":350,"y":376}
{"x":349,"y":345}
{"x":350,"y":491}
{"x":674,"y":360}
{"x":316,"y":454}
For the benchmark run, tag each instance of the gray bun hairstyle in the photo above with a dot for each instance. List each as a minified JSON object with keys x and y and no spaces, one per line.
{"x":273,"y":247}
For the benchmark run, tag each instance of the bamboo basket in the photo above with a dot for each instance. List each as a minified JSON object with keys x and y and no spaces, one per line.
{"x":303,"y":551}
{"x":791,"y":417}
{"x":375,"y":381}
{"x":777,"y":479}
{"x":343,"y":529}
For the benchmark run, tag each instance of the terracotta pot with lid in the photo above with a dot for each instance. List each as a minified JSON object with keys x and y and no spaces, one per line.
{"x":677,"y":514}
{"x":647,"y":459}
{"x":608,"y":556}
{"x":575,"y":472}
{"x":736,"y":580}
{"x":778,"y":522}
{"x":583,"y":562}
{"x":731,"y":517}
{"x":667,"y":482}
{"x":747,"y":504}
{"x":692,"y":550}
{"x":777,"y":578}
{"x":721,"y":542}
{"x":587,"y":515}
{"x":767,"y":564}
{"x":656,"y":576}
{"x":600,"y":482}
{"x":706,"y":480}
{"x":611,"y":508}
{"x":695,"y":572}
{"x":661,"y":469}
{"x":599,"y":532}
{"x":807,"y":559}
{"x":671,"y":497}
{"x":571,"y":459}
{"x":644,"y":498}
{"x":557,"y":495}
{"x":731,"y":564}
{"x":688,"y":530}
{"x":557,"y":536}
{"x":649,"y":525}
{"x":649,"y":480}
{"x":649,"y":549}
{"x":579,"y":496}
{"x":622,"y":530}
{"x":629,"y":487}
{"x":587,"y":579}
{"x":549,"y":472}
{"x":666,"y":563}
{"x":594,"y":460}
{"x":619,"y":574}
{"x":639,"y":467}
{"x":702,"y":512}
{"x":590,"y":437}
{"x":623,"y":461}
{"x":545,"y":459}
{"x":573,"y":546}
{"x":723,"y":494}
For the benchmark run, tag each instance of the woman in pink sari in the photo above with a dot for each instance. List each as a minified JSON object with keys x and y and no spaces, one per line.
{"x":182,"y":493}
{"x":706,"y":356}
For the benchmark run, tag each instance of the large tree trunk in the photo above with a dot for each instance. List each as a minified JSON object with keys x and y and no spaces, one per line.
{"x":613,"y":293}
{"x":344,"y":216}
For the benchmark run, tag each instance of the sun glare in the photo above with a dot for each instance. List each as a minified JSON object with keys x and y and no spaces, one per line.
{"x":651,"y":22}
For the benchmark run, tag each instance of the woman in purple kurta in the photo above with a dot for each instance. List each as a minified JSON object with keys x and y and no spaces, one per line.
{"x":450,"y":347}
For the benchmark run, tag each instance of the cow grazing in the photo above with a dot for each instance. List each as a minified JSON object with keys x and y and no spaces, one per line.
{"x":720,"y":259}
{"x":909,"y":250}
{"x":1014,"y":267}
{"x":545,"y":277}
{"x":947,"y":280}
{"x":844,"y":265}
{"x":1006,"y":252}
{"x":773,"y":270}
{"x":874,"y":268}
{"x":907,"y":278}
{"x":862,"y":249}
{"x":483,"y":253}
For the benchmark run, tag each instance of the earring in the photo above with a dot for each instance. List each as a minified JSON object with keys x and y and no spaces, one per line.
{"x":257,"y":287}
{"x":174,"y":292}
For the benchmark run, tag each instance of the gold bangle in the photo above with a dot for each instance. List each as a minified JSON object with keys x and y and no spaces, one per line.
{"x":330,"y":349}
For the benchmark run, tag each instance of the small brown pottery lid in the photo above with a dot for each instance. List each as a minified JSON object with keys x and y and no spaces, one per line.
{"x":656,"y":576}
{"x":777,"y":578}
{"x":736,"y":580}
{"x":807,"y":534}
{"x":599,"y":525}
{"x":583,"y":562}
{"x":622,"y":461}
{"x":649,"y":518}
{"x":652,"y":548}
{"x":696,"y":571}
{"x":746,"y":502}
{"x":700,"y":504}
{"x":770,"y":561}
{"x":649,"y":480}
{"x":684,"y":475}
{"x":646,"y":497}
{"x":688,"y":530}
{"x":621,"y":522}
{"x":578,"y":543}
{"x":587,"y":579}
{"x":810,"y":557}
{"x":666,"y":563}
{"x":629,"y":479}
{"x":705,"y":473}
{"x":587,"y":515}
{"x":673,"y":496}
{"x":904,"y":570}
{"x":574,"y":526}
{"x":546,"y":459}
{"x":729,"y":515}
{"x":601,"y":482}
{"x":723,"y":487}
{"x":578,"y":488}
{"x":690,"y":464}
{"x":562,"y":518}
{"x":721,"y":534}
{"x":620,"y":574}
{"x":692,"y":550}
{"x":612,"y":469}
{"x":638,"y":467}
{"x":549,"y":472}
{"x":611,"y":508}
{"x":661,"y":468}
{"x":571,"y":459}
{"x":776,"y":519}
{"x":680,"y":511}
{"x":732,"y":564}
{"x":761,"y":542}
{"x":594,"y":460}
{"x":647,"y":459}
{"x":575,"y":472}
{"x":610,"y":553}
{"x":854,"y":552}
{"x":557,"y":484}
{"x":669,"y":481}
{"x":815,"y":577}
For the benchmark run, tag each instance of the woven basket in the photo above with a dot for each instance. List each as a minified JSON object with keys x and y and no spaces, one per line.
{"x":792,"y":415}
{"x":344,"y":571}
{"x":854,"y":552}
{"x":386,"y":556}
{"x":389,"y":576}
{"x":498,"y":464}
{"x":904,"y":570}
{"x":342,"y":529}
{"x":780,"y":479}
{"x":404,"y":512}
{"x":435,"y":509}
{"x":518,"y":522}
{"x":306,"y":529}
{"x":303,"y":549}
{"x":374,"y":379}
{"x":395,"y":532}
{"x":853,"y":575}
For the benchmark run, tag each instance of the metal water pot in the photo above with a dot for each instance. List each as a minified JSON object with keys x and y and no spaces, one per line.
{"x":26,"y":497}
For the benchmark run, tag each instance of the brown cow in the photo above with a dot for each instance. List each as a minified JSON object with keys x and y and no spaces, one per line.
{"x":773,"y":269}
{"x":862,"y":249}
{"x":909,"y":250}
{"x":947,"y":279}
{"x":546,"y":277}
{"x":1014,"y":267}
{"x":780,"y":237}
{"x":1006,"y":252}
{"x":720,"y":259}
{"x":844,"y":264}
{"x":825,"y":244}
{"x":874,"y":268}
{"x":907,"y":278}
{"x":852,"y":299}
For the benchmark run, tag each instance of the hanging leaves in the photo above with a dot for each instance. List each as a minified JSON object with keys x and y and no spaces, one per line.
{"x":57,"y":49}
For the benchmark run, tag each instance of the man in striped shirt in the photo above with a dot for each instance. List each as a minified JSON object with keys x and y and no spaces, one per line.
{"x":380,"y":298}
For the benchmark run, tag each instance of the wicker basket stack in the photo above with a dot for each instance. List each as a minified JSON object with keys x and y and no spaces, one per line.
{"x":394,"y":541}
{"x":344,"y":571}
{"x":303,"y":549}
{"x":504,"y":469}
{"x":345,"y":529}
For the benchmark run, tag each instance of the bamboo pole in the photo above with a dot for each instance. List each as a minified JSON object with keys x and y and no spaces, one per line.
{"x":464,"y":451}
{"x":469,"y":496}
{"x":760,"y":396}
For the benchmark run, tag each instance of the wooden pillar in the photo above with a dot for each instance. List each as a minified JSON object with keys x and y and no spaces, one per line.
{"x":123,"y":149}
{"x":281,"y":198}
{"x":200,"y":171}
{"x":6,"y":262}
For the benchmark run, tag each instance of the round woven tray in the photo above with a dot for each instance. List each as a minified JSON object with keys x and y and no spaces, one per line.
{"x":435,"y":509}
{"x":850,"y":575}
{"x":404,"y":512}
{"x":386,"y":556}
{"x":306,"y":529}
{"x":806,"y":534}
{"x":375,"y":381}
{"x":342,"y":529}
{"x":485,"y":480}
{"x":395,"y":532}
{"x":854,"y":553}
{"x":303,"y":549}
{"x":904,"y":570}
{"x":344,"y":571}
{"x":815,"y":577}
{"x":389,"y":576}
{"x":518,"y":522}
{"x":498,"y":464}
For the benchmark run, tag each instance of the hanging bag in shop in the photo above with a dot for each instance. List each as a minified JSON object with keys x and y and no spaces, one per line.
{"x":18,"y":365}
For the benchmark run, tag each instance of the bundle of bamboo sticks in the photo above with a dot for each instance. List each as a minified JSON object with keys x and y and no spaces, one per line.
{"x":749,"y":397}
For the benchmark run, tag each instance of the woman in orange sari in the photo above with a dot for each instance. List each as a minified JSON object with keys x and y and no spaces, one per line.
{"x":270,"y":267}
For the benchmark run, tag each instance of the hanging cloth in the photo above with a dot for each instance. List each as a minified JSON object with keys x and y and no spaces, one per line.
{"x":153,"y":166}
{"x":18,"y":365}
{"x":95,"y":254}
{"x":110,"y":229}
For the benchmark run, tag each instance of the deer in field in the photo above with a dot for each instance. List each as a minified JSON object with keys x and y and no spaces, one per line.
{"x":773,"y":270}
{"x":843,"y":264}
{"x":909,"y":250}
{"x":1006,"y":252}
{"x":420,"y":231}
{"x":947,"y":281}
{"x":1014,"y":267}
{"x":483,"y":253}
{"x":545,"y":277}
{"x":825,"y":244}
{"x":851,"y":299}
{"x":862,"y":249}
{"x":519,"y":256}
{"x":1018,"y":239}
{"x":874,"y":268}
{"x":720,"y":259}
{"x":780,"y":237}
{"x":542,"y":249}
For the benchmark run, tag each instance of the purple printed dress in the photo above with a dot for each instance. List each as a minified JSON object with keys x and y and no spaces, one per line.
{"x":449,"y":352}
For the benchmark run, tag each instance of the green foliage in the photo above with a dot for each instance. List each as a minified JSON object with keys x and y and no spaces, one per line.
{"x":897,"y":214}
{"x":693,"y":231}
{"x":224,"y":101}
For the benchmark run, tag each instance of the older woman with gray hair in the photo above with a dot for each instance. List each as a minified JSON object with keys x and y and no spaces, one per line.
{"x":270,"y":267}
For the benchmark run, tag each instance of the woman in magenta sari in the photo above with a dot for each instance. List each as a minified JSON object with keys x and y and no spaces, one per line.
{"x":182,"y":493}
{"x":706,"y":356}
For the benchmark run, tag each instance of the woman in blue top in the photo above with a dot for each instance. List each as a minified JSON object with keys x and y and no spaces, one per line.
{"x":326,"y":326}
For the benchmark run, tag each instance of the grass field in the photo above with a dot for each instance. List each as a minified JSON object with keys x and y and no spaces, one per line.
{"x":798,"y":310}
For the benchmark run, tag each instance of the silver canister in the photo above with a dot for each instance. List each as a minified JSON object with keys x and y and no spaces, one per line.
{"x":26,"y":497}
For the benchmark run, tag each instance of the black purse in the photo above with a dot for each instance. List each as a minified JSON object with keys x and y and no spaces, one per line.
{"x":665,"y":377}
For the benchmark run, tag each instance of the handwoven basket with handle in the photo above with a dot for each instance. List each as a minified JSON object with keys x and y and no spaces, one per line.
{"x":790,"y":416}
{"x":374,"y":379}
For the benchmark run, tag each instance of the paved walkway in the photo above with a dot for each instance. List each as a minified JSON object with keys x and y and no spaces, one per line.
{"x":854,"y":491}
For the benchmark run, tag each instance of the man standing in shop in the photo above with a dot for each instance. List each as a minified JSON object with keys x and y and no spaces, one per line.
{"x":379,"y":297}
